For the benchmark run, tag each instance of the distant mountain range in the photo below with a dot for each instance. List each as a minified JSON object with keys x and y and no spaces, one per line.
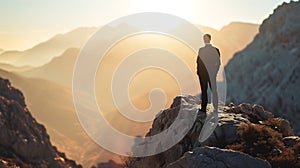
{"x":59,"y":69}
{"x":230,"y":39}
{"x":267,"y":71}
{"x":56,"y":57}
{"x":12,"y":68}
{"x":45,"y":51}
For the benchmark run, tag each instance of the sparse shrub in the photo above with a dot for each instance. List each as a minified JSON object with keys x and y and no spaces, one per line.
{"x":128,"y":161}
{"x":280,"y":125}
{"x":266,"y":143}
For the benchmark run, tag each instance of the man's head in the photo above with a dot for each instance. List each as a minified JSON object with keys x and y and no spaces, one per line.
{"x":206,"y":38}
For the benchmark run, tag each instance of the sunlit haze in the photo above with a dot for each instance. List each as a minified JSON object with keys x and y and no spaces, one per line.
{"x":24,"y":23}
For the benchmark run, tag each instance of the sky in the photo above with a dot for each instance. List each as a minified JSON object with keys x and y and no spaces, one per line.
{"x":25,"y":23}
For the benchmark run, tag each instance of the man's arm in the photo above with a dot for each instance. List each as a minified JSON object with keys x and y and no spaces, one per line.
{"x":218,"y":52}
{"x":219,"y":60}
{"x":200,"y":64}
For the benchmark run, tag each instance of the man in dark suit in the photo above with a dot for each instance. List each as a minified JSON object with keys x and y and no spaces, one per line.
{"x":208,"y":64}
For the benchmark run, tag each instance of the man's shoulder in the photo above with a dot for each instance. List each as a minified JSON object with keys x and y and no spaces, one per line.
{"x":212,"y":46}
{"x":201,"y":48}
{"x":209,"y":47}
{"x":216,"y":48}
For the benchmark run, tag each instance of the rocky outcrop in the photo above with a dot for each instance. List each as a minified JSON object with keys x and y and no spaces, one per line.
{"x":209,"y":157}
{"x":189,"y":151}
{"x":267,"y":71}
{"x":109,"y":164}
{"x":291,"y":140}
{"x":23,"y":141}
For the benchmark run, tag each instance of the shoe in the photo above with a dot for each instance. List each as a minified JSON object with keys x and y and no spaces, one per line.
{"x":209,"y":126}
{"x":201,"y":115}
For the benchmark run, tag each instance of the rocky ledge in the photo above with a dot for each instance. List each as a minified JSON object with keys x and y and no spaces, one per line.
{"x":246,"y":136}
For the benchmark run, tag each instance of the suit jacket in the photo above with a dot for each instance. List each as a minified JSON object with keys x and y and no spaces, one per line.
{"x":208,"y":61}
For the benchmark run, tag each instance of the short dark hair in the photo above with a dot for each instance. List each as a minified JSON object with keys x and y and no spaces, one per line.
{"x":208,"y":36}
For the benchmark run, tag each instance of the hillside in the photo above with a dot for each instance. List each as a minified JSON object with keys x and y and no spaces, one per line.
{"x":45,"y":102}
{"x":52,"y":105}
{"x":23,"y":141}
{"x":59,"y":70}
{"x":12,"y":68}
{"x":267,"y":71}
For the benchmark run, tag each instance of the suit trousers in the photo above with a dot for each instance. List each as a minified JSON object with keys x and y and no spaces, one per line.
{"x":205,"y":80}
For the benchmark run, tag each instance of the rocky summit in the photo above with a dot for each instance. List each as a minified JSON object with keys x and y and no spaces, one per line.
{"x":23,"y":141}
{"x":246,"y":136}
{"x":267,"y":71}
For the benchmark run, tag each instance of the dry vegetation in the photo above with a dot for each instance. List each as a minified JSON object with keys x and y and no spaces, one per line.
{"x":266,"y":143}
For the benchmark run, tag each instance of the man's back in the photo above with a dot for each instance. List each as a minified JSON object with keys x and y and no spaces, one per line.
{"x":208,"y":60}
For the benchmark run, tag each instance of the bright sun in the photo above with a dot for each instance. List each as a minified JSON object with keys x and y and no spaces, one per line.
{"x":178,"y":8}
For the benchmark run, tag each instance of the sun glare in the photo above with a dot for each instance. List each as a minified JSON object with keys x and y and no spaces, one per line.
{"x":178,"y":8}
{"x":195,"y":11}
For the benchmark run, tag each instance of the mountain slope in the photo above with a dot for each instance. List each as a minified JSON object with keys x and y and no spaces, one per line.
{"x":52,"y":105}
{"x":11,"y":68}
{"x":267,"y":71}
{"x":45,"y":51}
{"x":44,"y":99}
{"x":23,"y":141}
{"x":59,"y":70}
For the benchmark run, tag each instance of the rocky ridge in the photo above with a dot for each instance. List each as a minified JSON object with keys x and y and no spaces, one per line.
{"x":267,"y":71}
{"x":23,"y":141}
